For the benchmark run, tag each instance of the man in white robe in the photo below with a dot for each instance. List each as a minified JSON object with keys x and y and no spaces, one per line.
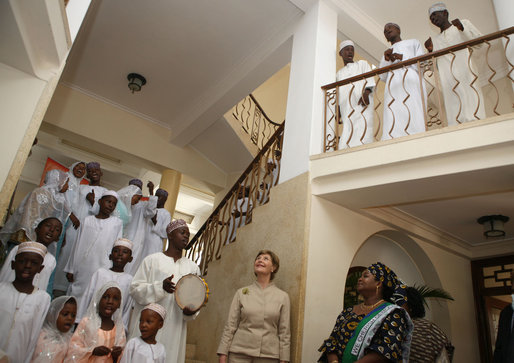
{"x":95,"y":240}
{"x":404,"y":99}
{"x":154,"y":282}
{"x":136,"y":229}
{"x":23,"y":307}
{"x":466,"y":102}
{"x":156,"y":227}
{"x":88,"y":196}
{"x":355,"y":100}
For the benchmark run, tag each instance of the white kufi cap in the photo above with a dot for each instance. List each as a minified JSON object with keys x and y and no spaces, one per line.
{"x":436,"y":7}
{"x":111,"y":193}
{"x":157,"y":308}
{"x":34,"y":247}
{"x":124,"y":243}
{"x":344,"y":44}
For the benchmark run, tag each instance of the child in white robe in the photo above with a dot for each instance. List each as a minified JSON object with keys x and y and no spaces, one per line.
{"x":86,"y":205}
{"x":121,"y":254}
{"x":96,"y":238}
{"x":55,"y":336}
{"x":100,"y":336}
{"x":47,"y":232}
{"x":145,"y":349}
{"x":156,"y":227}
{"x":23,"y":306}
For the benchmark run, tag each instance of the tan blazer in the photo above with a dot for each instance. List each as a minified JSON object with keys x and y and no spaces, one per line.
{"x":258,"y":323}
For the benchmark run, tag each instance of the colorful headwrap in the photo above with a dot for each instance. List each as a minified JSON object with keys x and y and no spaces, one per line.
{"x":157,"y":308}
{"x":124,"y":243}
{"x":344,"y":44}
{"x":112,"y":193}
{"x":389,"y":278}
{"x":33,"y":247}
{"x":93,"y":164}
{"x":162,"y":192}
{"x":437,"y":7}
{"x":137,"y":182}
{"x":393,"y":24}
{"x":177,"y":223}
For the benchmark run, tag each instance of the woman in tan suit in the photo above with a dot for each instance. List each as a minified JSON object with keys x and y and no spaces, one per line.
{"x":257,"y":329}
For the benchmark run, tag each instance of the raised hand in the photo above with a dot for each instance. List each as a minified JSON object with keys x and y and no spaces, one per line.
{"x":387,"y":54}
{"x":429,"y":45}
{"x":90,"y":197}
{"x":168,"y":285}
{"x":458,"y":24}
{"x":150,"y":186}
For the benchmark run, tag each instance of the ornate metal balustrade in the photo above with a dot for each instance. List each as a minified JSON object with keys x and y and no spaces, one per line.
{"x":235,"y":210}
{"x":348,"y":124}
{"x":254,"y":121}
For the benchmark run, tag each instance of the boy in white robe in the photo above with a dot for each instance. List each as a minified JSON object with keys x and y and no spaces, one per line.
{"x":145,"y":349}
{"x":121,"y":254}
{"x":404,"y":100}
{"x":136,"y":229}
{"x":95,"y":240}
{"x":154,"y":282}
{"x":47,"y":232}
{"x":355,"y":100}
{"x":466,"y":102}
{"x":86,"y":205}
{"x":156,"y":227}
{"x":23,"y":306}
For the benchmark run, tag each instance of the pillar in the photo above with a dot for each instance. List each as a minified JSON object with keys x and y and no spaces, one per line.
{"x":170,"y":181}
{"x":313,"y":64}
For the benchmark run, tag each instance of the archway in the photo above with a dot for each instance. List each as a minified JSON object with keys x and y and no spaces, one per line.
{"x":411,"y":264}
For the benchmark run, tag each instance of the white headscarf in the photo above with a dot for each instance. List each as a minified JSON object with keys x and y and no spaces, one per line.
{"x":43,"y":202}
{"x":52,"y":342}
{"x":93,"y":322}
{"x":124,"y":207}
{"x":72,"y":194}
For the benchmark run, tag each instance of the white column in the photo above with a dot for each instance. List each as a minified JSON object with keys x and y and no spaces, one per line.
{"x":313,"y":64}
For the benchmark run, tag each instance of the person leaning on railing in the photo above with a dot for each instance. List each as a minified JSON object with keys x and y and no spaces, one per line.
{"x":462,"y":99}
{"x":257,"y":328}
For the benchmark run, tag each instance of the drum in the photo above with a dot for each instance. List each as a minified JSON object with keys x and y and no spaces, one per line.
{"x":191,"y":291}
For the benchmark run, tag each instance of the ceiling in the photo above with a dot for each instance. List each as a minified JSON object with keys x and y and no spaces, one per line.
{"x":190,"y":52}
{"x":458,"y":217}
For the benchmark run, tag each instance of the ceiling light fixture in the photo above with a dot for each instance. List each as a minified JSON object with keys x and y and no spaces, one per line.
{"x":493,"y":225}
{"x":136,"y":81}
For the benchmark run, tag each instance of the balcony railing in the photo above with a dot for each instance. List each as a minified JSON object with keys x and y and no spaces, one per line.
{"x":254,"y":121}
{"x":430,"y":91}
{"x":235,"y":210}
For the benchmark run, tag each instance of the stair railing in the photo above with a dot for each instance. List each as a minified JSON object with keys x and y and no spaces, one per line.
{"x":235,"y":210}
{"x":254,"y":121}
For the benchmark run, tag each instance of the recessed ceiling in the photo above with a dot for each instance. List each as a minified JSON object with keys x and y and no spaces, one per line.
{"x":183,"y":48}
{"x":458,"y":217}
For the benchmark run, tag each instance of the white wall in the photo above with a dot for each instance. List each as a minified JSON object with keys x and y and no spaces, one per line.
{"x":337,"y":234}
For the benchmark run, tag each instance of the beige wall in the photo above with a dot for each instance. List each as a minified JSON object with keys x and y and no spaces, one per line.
{"x":280,"y":226}
{"x":336,"y":234}
{"x":76,"y":112}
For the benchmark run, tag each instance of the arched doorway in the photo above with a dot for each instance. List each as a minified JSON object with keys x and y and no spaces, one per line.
{"x":412,"y":265}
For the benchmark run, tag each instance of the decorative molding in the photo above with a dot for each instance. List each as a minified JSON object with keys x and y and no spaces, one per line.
{"x":114,"y":104}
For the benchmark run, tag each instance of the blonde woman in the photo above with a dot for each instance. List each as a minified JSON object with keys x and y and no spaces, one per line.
{"x":257,"y":329}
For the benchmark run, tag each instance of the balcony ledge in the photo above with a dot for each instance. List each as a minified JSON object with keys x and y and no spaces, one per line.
{"x":457,"y":161}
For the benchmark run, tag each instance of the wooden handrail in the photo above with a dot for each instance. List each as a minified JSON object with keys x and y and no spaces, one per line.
{"x":438,"y":53}
{"x":236,"y":185}
{"x":262,"y":111}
